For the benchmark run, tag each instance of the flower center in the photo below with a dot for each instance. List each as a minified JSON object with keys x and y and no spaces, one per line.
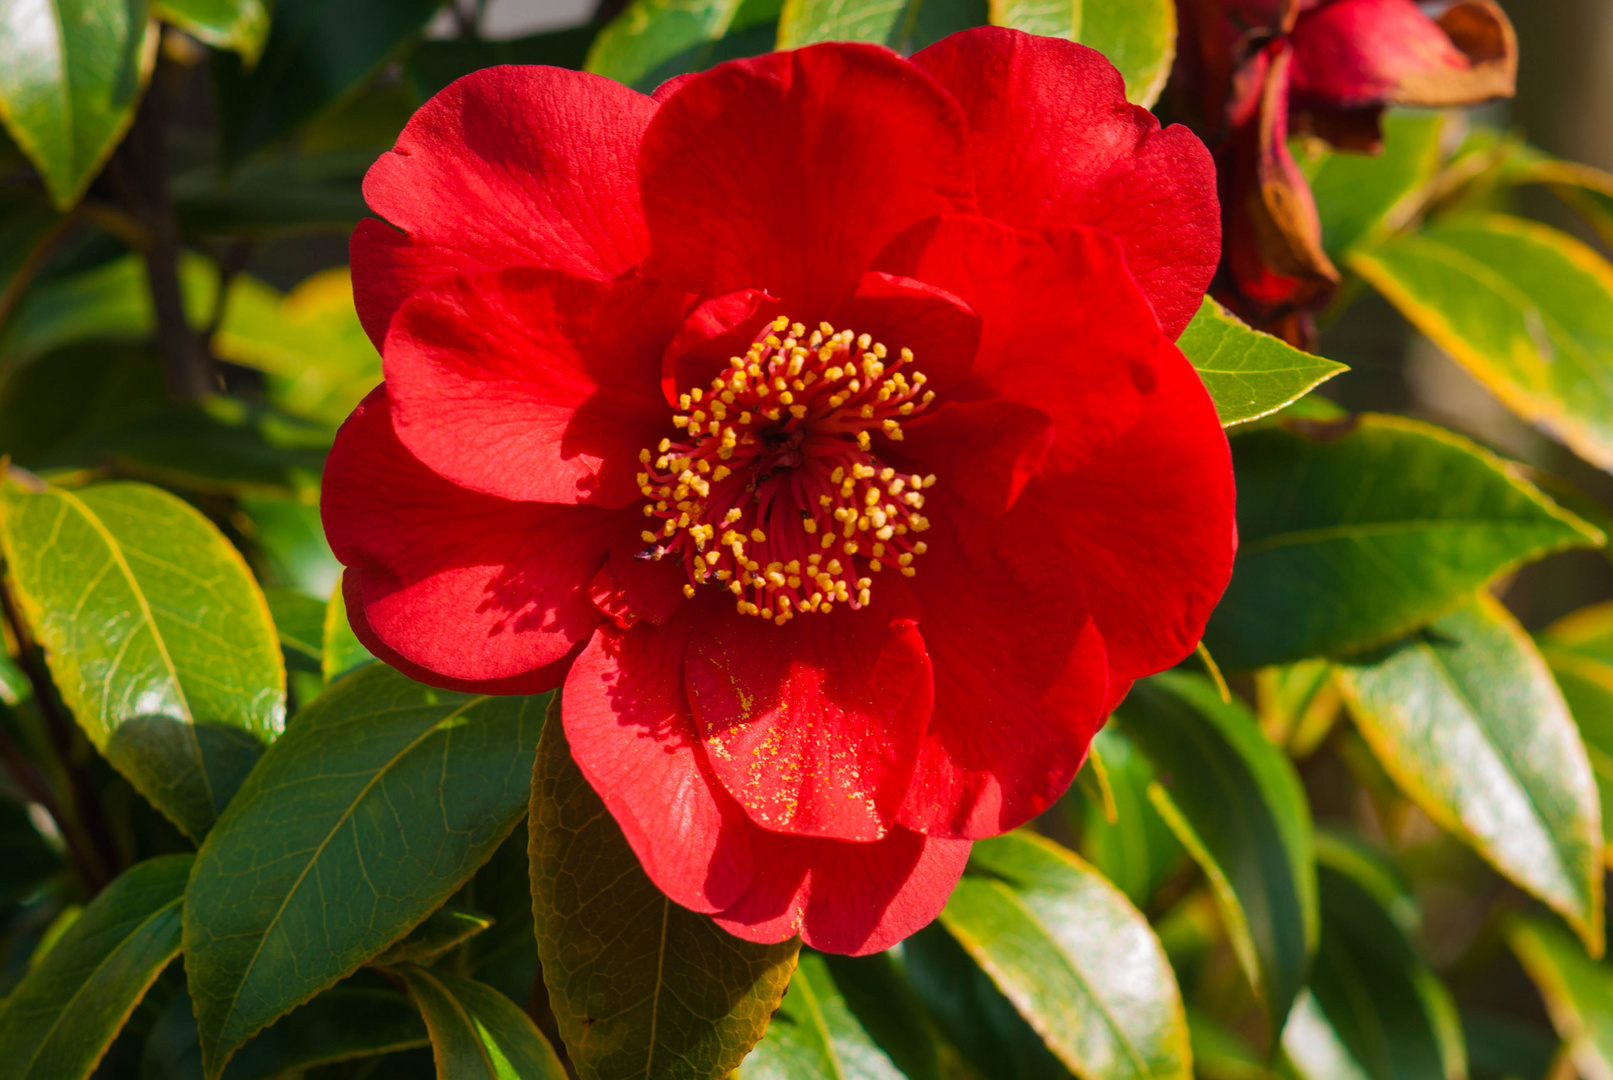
{"x":774,"y":492}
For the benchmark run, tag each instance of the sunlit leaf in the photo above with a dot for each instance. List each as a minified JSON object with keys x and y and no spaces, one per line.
{"x":71,"y":1005}
{"x":1138,"y":36}
{"x":1466,"y":718}
{"x":1076,"y":959}
{"x":1526,"y":309}
{"x":1578,"y":991}
{"x":1352,"y":534}
{"x":1249,"y":374}
{"x":1136,"y":850}
{"x":1236,"y":804}
{"x":1361,"y":197}
{"x":366,"y":815}
{"x":648,"y":33}
{"x":241,"y":25}
{"x":156,"y":634}
{"x":71,"y":75}
{"x":476,"y":1032}
{"x":638,"y":984}
{"x":342,"y":649}
{"x":1579,"y":650}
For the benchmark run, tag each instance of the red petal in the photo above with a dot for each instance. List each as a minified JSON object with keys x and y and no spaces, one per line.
{"x":509,"y":166}
{"x":533,"y":384}
{"x":987,"y":450}
{"x":1064,"y":328}
{"x":846,"y":898}
{"x":1149,"y":521}
{"x":941,"y":330}
{"x":719,"y":328}
{"x":813,"y":726}
{"x":540,"y":681}
{"x":628,"y":588}
{"x":631,"y":734}
{"x":1056,"y":144}
{"x":470,"y":587}
{"x":1021,"y":681}
{"x":787,"y":172}
{"x":1372,"y":52}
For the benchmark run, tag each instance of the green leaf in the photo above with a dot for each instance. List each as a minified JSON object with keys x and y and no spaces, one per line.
{"x":1076,"y":959}
{"x":1138,"y":36}
{"x":818,"y":1034}
{"x":638,"y":984}
{"x":1137,"y":849}
{"x":1579,"y":651}
{"x":444,"y":929}
{"x":1371,"y":986}
{"x":291,"y":543}
{"x":271,"y":198}
{"x":241,"y":25}
{"x":1360,"y":198}
{"x":1236,"y":804}
{"x":1248,"y":374}
{"x":803,"y":22}
{"x":360,"y":1016}
{"x":318,"y":51}
{"x":1353,"y":534}
{"x":110,"y":301}
{"x":71,"y":74}
{"x":319,"y":360}
{"x":1526,"y":309}
{"x":366,"y":815}
{"x":987,"y":1036}
{"x":67,"y":1010}
{"x":477,"y":1033}
{"x":1577,"y":990}
{"x":343,"y":651}
{"x":435,"y":64}
{"x":299,"y":622}
{"x":648,"y":33}
{"x":156,"y":634}
{"x":1467,"y":720}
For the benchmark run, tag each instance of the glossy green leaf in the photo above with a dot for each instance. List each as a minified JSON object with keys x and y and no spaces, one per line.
{"x":1579,"y":651}
{"x":156,"y":634}
{"x":1138,"y":36}
{"x":366,"y":815}
{"x":638,"y":984}
{"x":648,"y":33}
{"x":1360,"y":198}
{"x":1248,"y":374}
{"x":1577,"y":990}
{"x":1355,"y":533}
{"x":444,"y":929}
{"x":291,"y":544}
{"x":1236,"y":804}
{"x":1077,"y":960}
{"x":477,"y":1033}
{"x":109,"y":301}
{"x":71,"y":74}
{"x":241,"y":25}
{"x":319,"y":360}
{"x":1466,"y":718}
{"x":434,"y":64}
{"x":985,"y":1035}
{"x":879,"y":996}
{"x":342,"y":649}
{"x":1526,"y":309}
{"x":1137,"y":849}
{"x":1372,"y":989}
{"x":360,"y":1016}
{"x":317,"y":51}
{"x":816,"y":1034}
{"x":69,"y":1007}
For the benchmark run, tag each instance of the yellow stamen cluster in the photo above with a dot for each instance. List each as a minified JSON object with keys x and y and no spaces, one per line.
{"x":772,"y":489}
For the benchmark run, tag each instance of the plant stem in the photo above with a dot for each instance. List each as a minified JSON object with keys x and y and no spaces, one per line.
{"x":86,"y":808}
{"x":141,"y":174}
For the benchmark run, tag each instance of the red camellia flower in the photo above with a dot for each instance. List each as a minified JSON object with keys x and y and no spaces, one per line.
{"x":1250,"y":71}
{"x":816,"y":423}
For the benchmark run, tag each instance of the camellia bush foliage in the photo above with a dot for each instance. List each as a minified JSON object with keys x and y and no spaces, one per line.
{"x":791,"y":540}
